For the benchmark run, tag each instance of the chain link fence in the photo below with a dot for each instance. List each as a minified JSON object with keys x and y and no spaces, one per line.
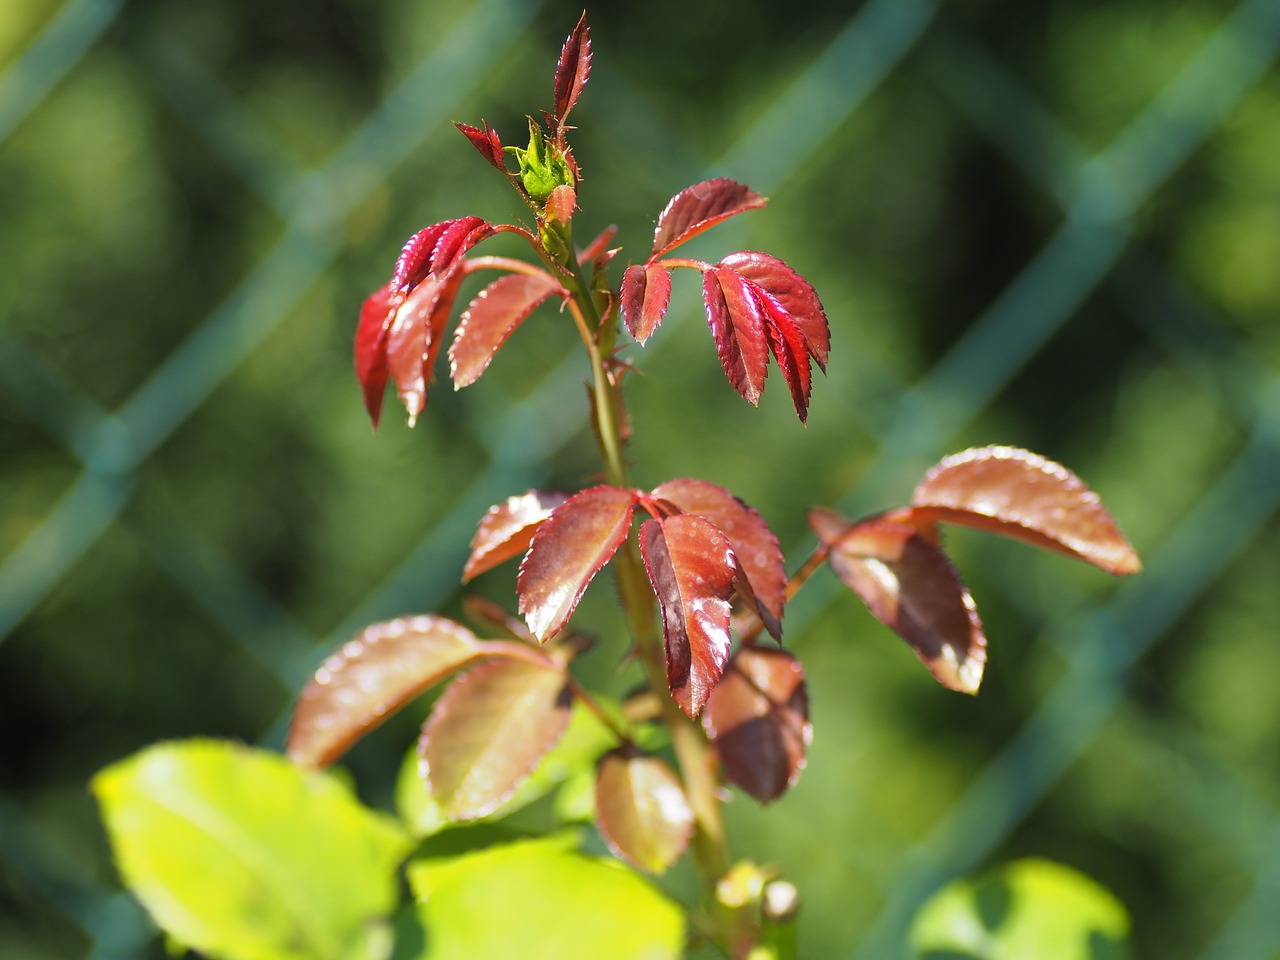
{"x":1053,"y":227}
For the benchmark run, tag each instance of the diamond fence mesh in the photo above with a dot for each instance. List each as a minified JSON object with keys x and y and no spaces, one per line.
{"x":1055,"y":227}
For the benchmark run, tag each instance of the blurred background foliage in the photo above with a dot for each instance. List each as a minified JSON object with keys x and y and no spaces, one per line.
{"x":1053,"y":225}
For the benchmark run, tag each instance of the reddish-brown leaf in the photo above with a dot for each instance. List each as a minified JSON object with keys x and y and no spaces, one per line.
{"x":758,"y":720}
{"x":908,"y":583}
{"x":488,"y":731}
{"x":754,"y":544}
{"x":377,"y":673}
{"x":599,"y":247}
{"x":787,"y":344}
{"x":792,"y":293}
{"x":435,"y":249}
{"x":569,"y":549}
{"x":492,"y":317}
{"x":641,"y":810}
{"x":699,"y":207}
{"x":507,"y":529}
{"x":414,"y":340}
{"x":738,"y":328}
{"x":572,"y":70}
{"x":371,"y":349}
{"x":1020,"y":494}
{"x":486,"y":141}
{"x":691,"y":566}
{"x":644,"y":297}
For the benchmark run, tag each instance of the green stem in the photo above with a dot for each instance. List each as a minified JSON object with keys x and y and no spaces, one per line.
{"x":687,"y":739}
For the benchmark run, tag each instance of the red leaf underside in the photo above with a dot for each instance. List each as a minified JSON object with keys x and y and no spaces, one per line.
{"x":488,"y":731}
{"x":572,"y":70}
{"x":491,"y":318}
{"x":645,"y":296}
{"x":1020,"y":494}
{"x":641,"y":810}
{"x":908,"y":584}
{"x":568,"y":550}
{"x":754,"y":544}
{"x":415,"y":337}
{"x":699,"y":207}
{"x":507,"y":530}
{"x":691,"y":566}
{"x":757,"y":718}
{"x":793,"y":294}
{"x":738,"y":328}
{"x":371,"y":350}
{"x":370,"y":678}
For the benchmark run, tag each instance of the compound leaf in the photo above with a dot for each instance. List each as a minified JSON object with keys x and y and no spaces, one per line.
{"x":793,"y":294}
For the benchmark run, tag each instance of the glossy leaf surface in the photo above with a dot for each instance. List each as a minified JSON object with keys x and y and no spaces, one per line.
{"x":415,"y":337}
{"x":492,"y":317}
{"x":644,"y":298}
{"x":699,"y":207}
{"x":641,"y":810}
{"x":1020,"y":494}
{"x":738,"y":329}
{"x":691,"y":567}
{"x":757,"y":718}
{"x":754,"y":544}
{"x":416,"y":303}
{"x":241,"y":855}
{"x":908,"y":584}
{"x":1028,"y":908}
{"x":507,"y":530}
{"x":572,"y":70}
{"x":792,"y":293}
{"x":756,"y":304}
{"x":567,"y":551}
{"x":542,"y":900}
{"x":488,"y":731}
{"x":486,"y":141}
{"x":374,"y":675}
{"x":435,"y":250}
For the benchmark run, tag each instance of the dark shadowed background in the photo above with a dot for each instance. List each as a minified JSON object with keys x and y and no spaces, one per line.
{"x":1053,"y":225}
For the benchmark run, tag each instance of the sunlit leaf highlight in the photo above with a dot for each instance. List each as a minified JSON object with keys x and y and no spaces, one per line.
{"x":1021,"y":494}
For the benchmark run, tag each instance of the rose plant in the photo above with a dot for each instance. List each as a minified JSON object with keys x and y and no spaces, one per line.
{"x":701,"y":580}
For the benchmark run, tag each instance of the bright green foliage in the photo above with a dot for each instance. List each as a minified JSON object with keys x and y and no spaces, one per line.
{"x":542,"y":900}
{"x":243,"y":856}
{"x":1026,"y":909}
